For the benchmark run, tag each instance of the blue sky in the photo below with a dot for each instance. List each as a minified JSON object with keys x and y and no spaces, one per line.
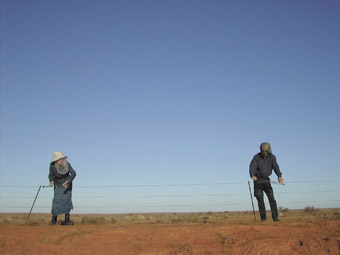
{"x":169,"y":92}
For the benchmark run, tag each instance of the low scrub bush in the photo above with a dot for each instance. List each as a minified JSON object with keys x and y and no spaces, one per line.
{"x":281,"y":209}
{"x":97,"y":220}
{"x":309,"y":209}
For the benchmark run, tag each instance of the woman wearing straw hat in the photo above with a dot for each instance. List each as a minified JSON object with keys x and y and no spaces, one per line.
{"x":61,"y":177}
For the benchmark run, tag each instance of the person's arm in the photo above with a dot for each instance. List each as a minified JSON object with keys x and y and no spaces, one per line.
{"x":252,"y":168}
{"x":70,"y":178}
{"x":276,"y":167}
{"x":277,"y":171}
{"x":51,"y":176}
{"x":72,"y":173}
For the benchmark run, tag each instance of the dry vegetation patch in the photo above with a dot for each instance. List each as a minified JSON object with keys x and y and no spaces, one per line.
{"x":309,"y":214}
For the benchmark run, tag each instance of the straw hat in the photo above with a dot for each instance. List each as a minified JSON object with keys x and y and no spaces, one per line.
{"x":57,"y":155}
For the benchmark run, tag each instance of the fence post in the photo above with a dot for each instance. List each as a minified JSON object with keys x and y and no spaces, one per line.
{"x":251,"y":197}
{"x":34,"y":203}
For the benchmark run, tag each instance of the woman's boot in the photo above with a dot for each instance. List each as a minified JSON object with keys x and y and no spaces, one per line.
{"x":54,"y":219}
{"x":67,"y":220}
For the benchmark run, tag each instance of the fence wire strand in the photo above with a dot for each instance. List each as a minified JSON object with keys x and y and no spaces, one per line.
{"x":93,"y":197}
{"x":167,"y":185}
{"x":184,"y":195}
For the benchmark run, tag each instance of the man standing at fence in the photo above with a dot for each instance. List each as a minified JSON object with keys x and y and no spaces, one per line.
{"x":260,"y":169}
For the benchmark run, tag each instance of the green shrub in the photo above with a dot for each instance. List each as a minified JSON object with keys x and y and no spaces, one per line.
{"x":336,"y":216}
{"x":309,"y":209}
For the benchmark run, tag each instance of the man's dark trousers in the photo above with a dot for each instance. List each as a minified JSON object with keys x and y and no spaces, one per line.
{"x":264,"y":185}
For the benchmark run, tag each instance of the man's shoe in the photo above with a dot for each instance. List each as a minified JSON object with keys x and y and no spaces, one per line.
{"x":263,"y":220}
{"x":276,"y":219}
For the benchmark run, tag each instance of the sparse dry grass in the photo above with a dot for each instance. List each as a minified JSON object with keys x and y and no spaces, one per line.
{"x":315,"y":232}
{"x":218,"y":218}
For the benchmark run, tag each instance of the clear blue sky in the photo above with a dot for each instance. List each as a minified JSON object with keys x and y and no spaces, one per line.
{"x":169,"y":92}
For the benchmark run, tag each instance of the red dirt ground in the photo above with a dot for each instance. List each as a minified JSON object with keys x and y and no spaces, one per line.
{"x":171,"y":239}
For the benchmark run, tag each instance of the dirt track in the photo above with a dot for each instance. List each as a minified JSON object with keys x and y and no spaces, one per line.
{"x":158,"y":239}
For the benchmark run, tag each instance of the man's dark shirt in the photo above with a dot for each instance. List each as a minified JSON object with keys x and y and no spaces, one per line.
{"x":263,"y":166}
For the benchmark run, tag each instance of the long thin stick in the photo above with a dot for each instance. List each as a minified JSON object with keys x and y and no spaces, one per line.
{"x":262,"y":181}
{"x":34,"y":203}
{"x":251,"y":197}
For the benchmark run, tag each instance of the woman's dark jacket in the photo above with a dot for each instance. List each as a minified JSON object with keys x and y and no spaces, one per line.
{"x":59,"y":179}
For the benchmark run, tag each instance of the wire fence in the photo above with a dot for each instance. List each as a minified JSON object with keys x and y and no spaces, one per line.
{"x":224,"y":196}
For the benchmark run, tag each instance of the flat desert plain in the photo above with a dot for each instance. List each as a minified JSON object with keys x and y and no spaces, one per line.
{"x":299,"y":232}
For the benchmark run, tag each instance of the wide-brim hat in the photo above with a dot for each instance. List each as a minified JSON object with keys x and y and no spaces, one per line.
{"x":57,"y":155}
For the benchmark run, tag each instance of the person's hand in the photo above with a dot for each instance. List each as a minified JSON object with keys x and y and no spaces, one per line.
{"x":281,"y":180}
{"x":65,"y":184}
{"x":52,"y":183}
{"x":254,"y":178}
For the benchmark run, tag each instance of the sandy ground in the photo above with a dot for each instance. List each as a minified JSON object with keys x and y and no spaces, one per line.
{"x":173,"y":239}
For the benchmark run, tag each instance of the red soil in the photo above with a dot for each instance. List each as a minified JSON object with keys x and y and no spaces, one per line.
{"x":158,"y":239}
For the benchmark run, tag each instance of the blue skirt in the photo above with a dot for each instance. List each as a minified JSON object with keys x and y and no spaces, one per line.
{"x":62,"y":203}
